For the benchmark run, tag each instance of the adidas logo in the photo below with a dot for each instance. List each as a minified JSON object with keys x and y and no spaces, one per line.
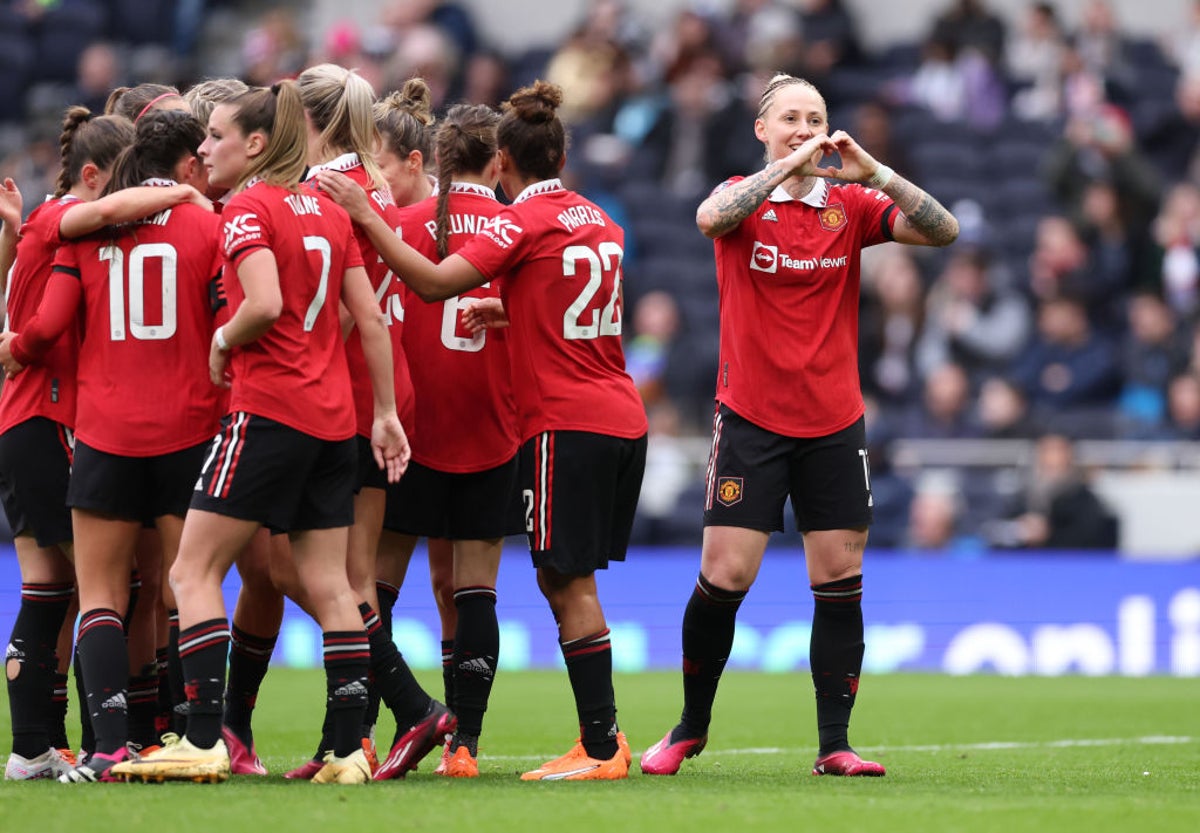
{"x":116,"y":702}
{"x":478,"y":665}
{"x":354,"y":689}
{"x":13,"y":652}
{"x":180,"y":708}
{"x":770,"y":217}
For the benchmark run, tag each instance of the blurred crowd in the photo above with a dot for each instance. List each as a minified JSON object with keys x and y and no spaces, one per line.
{"x":1069,"y":309}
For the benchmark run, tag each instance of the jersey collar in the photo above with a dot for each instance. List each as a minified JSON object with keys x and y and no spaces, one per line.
{"x":159,"y":182}
{"x":342,"y":163}
{"x":472,"y":188}
{"x":815,"y":197}
{"x":546,"y":186}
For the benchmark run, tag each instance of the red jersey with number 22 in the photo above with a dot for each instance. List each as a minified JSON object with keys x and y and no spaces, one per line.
{"x":560,"y":257}
{"x":788,"y":278}
{"x":295,"y":373}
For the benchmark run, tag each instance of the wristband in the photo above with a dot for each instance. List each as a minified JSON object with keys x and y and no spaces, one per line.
{"x":881,"y":177}
{"x":222,"y":344}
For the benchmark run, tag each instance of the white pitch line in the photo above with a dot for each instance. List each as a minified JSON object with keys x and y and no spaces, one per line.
{"x":1067,"y":743}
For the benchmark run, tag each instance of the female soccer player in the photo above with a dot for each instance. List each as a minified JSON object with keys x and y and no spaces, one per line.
{"x":145,"y":405}
{"x":37,"y":418}
{"x":582,"y":423}
{"x":462,"y":484}
{"x":135,"y":102}
{"x":789,"y":417}
{"x":286,"y":457}
{"x":342,"y":137}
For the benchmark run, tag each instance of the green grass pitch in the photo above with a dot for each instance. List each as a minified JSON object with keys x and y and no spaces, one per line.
{"x":963,"y":754}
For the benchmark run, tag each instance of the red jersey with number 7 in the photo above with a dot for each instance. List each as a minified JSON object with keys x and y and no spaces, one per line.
{"x":466,"y":418}
{"x":788,"y":278}
{"x":296,"y":372}
{"x":146,"y":291}
{"x":560,"y":257}
{"x":387,"y":292}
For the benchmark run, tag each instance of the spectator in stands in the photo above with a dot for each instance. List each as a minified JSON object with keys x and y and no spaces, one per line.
{"x":1068,"y":365}
{"x":1171,"y":140}
{"x":1098,"y":144}
{"x":1148,"y":353}
{"x":1062,"y":264}
{"x":936,"y":515}
{"x":1104,"y":51}
{"x":972,"y":317}
{"x":684,"y":149}
{"x":486,"y":79}
{"x":873,"y":128}
{"x":585,"y":65}
{"x":1176,"y":263}
{"x":668,"y":474}
{"x":891,"y":313}
{"x":655,"y":328}
{"x":1183,"y":409}
{"x":1002,"y":411}
{"x":1034,"y":60}
{"x":970,"y":24}
{"x":273,"y":49}
{"x":944,"y":410}
{"x":1057,"y":508}
{"x":830,"y":38}
{"x":99,"y":72}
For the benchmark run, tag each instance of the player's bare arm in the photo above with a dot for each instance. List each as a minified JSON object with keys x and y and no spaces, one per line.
{"x":724,"y":210}
{"x":924,"y":220}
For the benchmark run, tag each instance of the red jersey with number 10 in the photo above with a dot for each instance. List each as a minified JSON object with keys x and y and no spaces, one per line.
{"x":560,"y":257}
{"x":46,"y":389}
{"x":147,"y":293}
{"x":296,"y":372}
{"x":788,"y":278}
{"x":466,"y":417}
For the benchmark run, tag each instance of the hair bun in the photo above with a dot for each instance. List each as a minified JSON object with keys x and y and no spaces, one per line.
{"x":537,"y":103}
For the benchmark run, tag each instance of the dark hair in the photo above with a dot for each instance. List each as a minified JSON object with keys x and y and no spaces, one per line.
{"x":89,"y":138}
{"x":466,"y":142}
{"x":531,"y":132}
{"x":161,"y":139}
{"x":405,"y":120}
{"x":278,"y":113}
{"x":131,"y":102}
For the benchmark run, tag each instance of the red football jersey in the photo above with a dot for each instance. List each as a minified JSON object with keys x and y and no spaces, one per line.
{"x":560,"y":257}
{"x":466,"y":417}
{"x":788,"y":278}
{"x":46,"y":389}
{"x":147,"y":294}
{"x":387,"y":292}
{"x":296,"y":372}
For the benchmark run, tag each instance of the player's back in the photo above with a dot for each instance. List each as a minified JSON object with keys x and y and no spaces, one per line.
{"x":148,"y":291}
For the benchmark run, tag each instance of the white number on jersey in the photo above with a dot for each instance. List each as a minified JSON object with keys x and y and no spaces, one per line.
{"x":605,"y":321}
{"x":136,"y":283}
{"x":451,"y":322}
{"x":315,"y":243}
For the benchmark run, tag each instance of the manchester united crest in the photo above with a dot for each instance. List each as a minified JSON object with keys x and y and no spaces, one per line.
{"x":833,"y":217}
{"x":729,"y":491}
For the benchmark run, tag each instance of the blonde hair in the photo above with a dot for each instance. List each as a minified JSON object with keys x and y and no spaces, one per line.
{"x":278,"y":113}
{"x":778,"y":82}
{"x":339,"y":101}
{"x":206,"y":95}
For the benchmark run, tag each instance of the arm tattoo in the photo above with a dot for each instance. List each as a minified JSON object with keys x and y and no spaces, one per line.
{"x":724,"y":210}
{"x":922,"y":212}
